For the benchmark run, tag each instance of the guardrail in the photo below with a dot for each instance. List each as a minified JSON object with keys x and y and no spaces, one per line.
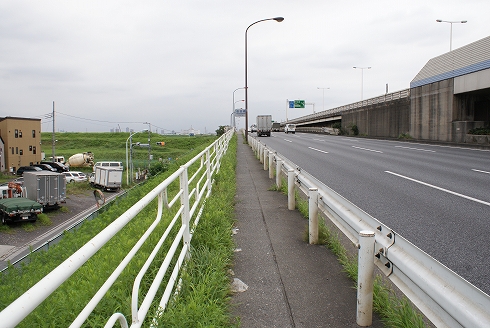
{"x":444,"y":297}
{"x":187,"y":201}
{"x":338,"y":110}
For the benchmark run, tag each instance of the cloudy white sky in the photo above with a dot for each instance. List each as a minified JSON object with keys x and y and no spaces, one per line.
{"x":176,"y":63}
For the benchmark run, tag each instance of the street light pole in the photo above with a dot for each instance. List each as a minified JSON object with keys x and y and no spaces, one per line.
{"x":127,"y":162}
{"x":451,"y":30}
{"x":362,"y":76}
{"x":277,"y":19}
{"x":234,"y":105}
{"x":323,"y":96}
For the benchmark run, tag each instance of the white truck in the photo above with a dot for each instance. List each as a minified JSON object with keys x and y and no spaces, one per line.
{"x":290,"y":128}
{"x":106,"y":177}
{"x":264,"y":125}
{"x":46,"y":188}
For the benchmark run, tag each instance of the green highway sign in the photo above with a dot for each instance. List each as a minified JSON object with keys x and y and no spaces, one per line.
{"x":299,"y":104}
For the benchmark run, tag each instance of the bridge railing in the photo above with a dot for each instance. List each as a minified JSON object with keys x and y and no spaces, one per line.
{"x":444,"y":297}
{"x":338,"y":110}
{"x":179,"y":194}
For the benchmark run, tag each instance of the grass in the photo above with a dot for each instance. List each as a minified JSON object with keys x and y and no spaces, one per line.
{"x":113,"y":147}
{"x":203,"y":300}
{"x":205,"y":287}
{"x":393,"y":310}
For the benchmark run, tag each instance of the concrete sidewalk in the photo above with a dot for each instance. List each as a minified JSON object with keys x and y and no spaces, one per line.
{"x":290,"y":283}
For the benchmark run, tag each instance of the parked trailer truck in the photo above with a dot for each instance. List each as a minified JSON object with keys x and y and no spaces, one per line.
{"x":46,"y":188}
{"x":264,"y":125}
{"x":106,"y":177}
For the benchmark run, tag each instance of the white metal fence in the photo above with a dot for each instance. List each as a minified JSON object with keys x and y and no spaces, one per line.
{"x":187,"y":202}
{"x":444,"y":297}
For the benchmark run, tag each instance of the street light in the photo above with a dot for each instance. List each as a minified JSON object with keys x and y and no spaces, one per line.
{"x":127,"y":165}
{"x":277,"y":19}
{"x":362,"y":76}
{"x":451,"y":33}
{"x":323,"y":96}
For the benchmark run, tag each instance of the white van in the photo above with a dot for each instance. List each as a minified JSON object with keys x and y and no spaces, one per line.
{"x":113,"y":165}
{"x":290,"y":128}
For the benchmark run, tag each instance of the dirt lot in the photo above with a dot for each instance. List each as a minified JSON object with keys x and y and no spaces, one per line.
{"x":20,"y":234}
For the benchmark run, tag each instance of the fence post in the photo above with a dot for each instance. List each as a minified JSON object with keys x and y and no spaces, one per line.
{"x":291,"y":200}
{"x":261,"y":154}
{"x":313,"y":215}
{"x":278,"y":173}
{"x":365,"y":278}
{"x":184,"y":199}
{"x":208,"y":170}
{"x":266,"y":152}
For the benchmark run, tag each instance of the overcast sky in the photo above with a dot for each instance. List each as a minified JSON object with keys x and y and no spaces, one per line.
{"x":175,"y":64}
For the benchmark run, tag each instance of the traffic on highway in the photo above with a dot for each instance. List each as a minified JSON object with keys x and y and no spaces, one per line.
{"x":435,"y":196}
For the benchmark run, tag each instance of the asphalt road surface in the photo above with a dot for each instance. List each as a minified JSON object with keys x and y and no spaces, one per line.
{"x":437,"y":197}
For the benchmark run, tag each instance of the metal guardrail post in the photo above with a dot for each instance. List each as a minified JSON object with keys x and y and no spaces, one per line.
{"x":271,"y":162}
{"x":266,"y":153}
{"x":278,"y":173}
{"x":313,"y":215}
{"x":291,"y":200}
{"x":261,"y":153}
{"x":365,"y":278}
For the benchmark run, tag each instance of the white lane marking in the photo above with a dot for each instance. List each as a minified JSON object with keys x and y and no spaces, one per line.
{"x":318,"y":139}
{"x":441,"y":189}
{"x":432,"y":151}
{"x":321,"y":151}
{"x":480,"y":171}
{"x":288,"y":140}
{"x":376,"y":151}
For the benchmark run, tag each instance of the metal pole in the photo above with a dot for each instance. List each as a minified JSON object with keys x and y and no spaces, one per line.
{"x":291,"y":200}
{"x":277,"y":19}
{"x":451,"y":38}
{"x":266,"y":152}
{"x":278,"y":173}
{"x":365,"y":278}
{"x":53,"y":138}
{"x":271,"y":162}
{"x":313,"y":215}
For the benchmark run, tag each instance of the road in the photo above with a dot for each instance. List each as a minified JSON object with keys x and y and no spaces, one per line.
{"x":437,"y":197}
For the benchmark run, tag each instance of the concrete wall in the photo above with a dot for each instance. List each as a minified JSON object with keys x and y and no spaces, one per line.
{"x":387,"y":119}
{"x":431,"y":113}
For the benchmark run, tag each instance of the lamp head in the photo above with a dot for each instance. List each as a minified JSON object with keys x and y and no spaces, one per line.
{"x":439,"y":20}
{"x":278,"y":19}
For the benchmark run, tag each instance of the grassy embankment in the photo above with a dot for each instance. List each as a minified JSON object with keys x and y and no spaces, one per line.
{"x":109,"y":147}
{"x":212,"y":250}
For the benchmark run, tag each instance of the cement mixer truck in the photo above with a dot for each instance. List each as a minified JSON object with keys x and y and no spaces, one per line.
{"x":81,"y":160}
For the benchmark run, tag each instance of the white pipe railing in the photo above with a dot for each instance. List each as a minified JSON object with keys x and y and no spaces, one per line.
{"x":208,"y":163}
{"x":444,"y":297}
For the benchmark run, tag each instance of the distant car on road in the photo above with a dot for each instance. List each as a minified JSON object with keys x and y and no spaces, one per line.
{"x":75,"y":176}
{"x":253,"y":128}
{"x":23,"y":169}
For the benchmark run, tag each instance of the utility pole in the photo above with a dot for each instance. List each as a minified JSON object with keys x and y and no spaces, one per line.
{"x":53,"y":140}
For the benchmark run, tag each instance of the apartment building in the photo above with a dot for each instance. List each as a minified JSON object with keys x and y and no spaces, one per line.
{"x":20,"y":142}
